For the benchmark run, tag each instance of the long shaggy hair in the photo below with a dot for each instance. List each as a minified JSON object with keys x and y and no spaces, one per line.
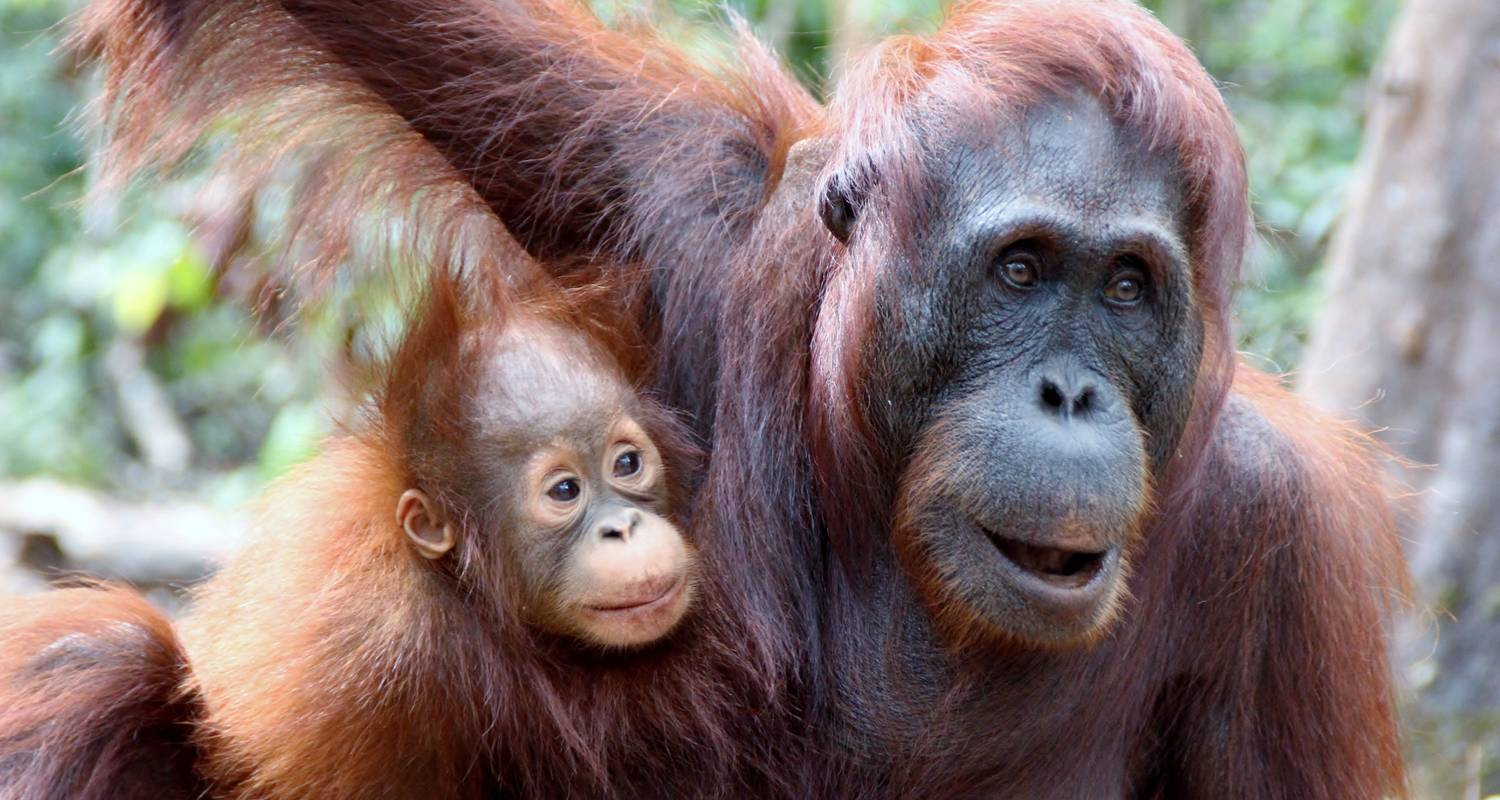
{"x":1250,"y":658}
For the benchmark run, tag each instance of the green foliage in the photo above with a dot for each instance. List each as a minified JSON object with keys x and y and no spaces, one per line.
{"x":74,"y":279}
{"x":47,"y":340}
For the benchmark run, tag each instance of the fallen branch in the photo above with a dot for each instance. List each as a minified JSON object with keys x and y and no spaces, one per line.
{"x":145,"y":542}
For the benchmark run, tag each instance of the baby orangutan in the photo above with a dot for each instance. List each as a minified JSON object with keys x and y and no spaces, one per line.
{"x":577,"y":488}
{"x":481,"y":591}
{"x":445,"y":598}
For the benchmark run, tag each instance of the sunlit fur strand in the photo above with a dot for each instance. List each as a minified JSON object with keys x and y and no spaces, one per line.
{"x":306,"y":121}
{"x":572,"y":113}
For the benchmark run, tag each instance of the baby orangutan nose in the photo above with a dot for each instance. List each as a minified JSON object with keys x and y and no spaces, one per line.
{"x":620,"y":525}
{"x":636,"y":573}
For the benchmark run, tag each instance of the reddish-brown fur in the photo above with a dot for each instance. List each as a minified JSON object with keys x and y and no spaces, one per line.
{"x":89,"y":700}
{"x":1250,"y":661}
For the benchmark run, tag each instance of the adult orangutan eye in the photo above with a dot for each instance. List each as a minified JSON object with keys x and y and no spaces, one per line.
{"x":564,"y":491}
{"x":1126,"y":287}
{"x":627,"y":463}
{"x":1020,"y":270}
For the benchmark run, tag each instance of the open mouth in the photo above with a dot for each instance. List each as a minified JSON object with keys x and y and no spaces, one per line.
{"x":1056,"y":566}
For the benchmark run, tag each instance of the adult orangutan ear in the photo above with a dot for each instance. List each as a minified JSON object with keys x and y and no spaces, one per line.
{"x":424,"y":524}
{"x":839,"y":207}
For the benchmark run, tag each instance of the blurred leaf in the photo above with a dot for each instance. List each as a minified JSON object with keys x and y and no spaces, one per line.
{"x":139,"y":298}
{"x":190,"y":283}
{"x":292,"y":439}
{"x":58,"y":339}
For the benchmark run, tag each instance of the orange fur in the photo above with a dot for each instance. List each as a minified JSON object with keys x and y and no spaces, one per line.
{"x":320,"y":652}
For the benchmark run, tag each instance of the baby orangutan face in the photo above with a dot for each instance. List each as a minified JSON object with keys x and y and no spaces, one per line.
{"x":574,"y":488}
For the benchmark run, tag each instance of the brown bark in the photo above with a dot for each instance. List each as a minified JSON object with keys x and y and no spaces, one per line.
{"x":1409,"y":341}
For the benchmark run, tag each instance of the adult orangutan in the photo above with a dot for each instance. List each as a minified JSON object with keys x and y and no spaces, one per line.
{"x":961,"y":344}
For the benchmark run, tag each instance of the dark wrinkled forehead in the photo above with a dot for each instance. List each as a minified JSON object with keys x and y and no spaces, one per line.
{"x":1065,"y":153}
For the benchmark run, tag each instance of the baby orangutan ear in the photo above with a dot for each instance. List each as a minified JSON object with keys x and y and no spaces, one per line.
{"x":432,"y":535}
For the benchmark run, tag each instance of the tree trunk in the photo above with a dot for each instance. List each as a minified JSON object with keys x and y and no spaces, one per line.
{"x":1409,"y":341}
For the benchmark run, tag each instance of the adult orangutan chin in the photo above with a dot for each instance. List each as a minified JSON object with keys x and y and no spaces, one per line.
{"x":1019,"y":523}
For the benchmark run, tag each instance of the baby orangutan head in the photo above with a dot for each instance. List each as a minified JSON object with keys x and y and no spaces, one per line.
{"x":558,"y":479}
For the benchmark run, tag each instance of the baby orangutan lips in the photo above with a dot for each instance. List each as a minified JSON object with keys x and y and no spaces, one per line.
{"x":651,"y":591}
{"x":647,"y":610}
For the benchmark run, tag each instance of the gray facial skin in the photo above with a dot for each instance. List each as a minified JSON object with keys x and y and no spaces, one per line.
{"x":1036,"y":366}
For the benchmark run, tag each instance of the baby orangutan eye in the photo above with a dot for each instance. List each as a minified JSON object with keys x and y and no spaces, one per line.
{"x":627,"y":463}
{"x":564,"y":491}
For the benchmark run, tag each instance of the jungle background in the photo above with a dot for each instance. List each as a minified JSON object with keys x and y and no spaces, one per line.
{"x":143,"y":400}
